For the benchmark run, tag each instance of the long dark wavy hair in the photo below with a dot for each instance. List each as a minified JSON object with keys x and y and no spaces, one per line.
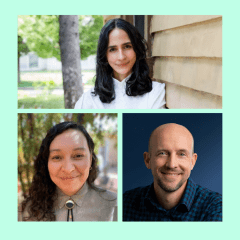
{"x":42,"y":192}
{"x":139,"y":82}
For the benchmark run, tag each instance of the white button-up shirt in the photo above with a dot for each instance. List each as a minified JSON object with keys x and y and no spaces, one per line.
{"x":151,"y":100}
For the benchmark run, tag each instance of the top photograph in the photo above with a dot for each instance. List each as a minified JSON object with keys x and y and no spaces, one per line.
{"x":120,"y":62}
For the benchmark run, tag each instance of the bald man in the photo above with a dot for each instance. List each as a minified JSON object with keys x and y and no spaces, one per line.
{"x":173,"y":196}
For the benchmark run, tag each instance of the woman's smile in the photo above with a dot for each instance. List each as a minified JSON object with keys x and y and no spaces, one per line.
{"x":68,"y":178}
{"x":69,"y":161}
{"x":122,"y":64}
{"x":120,"y":55}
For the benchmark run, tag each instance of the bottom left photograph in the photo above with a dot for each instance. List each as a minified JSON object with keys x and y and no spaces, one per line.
{"x":67,"y":166}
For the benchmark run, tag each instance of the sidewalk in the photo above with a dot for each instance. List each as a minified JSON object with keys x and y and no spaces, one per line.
{"x":31,"y":92}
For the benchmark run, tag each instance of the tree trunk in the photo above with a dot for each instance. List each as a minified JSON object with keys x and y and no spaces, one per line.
{"x":19,"y":79}
{"x":70,"y":57}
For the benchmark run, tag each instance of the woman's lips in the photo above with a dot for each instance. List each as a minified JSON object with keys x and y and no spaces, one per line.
{"x":122,"y":65}
{"x":67,"y":178}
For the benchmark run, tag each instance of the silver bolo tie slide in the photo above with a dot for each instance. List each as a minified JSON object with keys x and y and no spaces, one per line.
{"x":70,"y":205}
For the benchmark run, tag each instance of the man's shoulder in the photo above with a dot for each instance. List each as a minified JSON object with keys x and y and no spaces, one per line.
{"x":134,"y":203}
{"x":207,"y":194}
{"x":209,"y":203}
{"x":135,"y":193}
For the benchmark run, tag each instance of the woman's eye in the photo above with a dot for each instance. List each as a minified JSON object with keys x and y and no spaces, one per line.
{"x":78,"y":156}
{"x":128,"y":46}
{"x":56,"y":157}
{"x":112,"y":50}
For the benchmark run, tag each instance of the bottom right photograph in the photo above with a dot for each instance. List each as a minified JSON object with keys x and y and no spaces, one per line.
{"x":172,"y":167}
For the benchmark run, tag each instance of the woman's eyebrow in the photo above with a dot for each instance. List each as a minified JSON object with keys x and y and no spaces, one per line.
{"x":54,"y":150}
{"x":75,"y":149}
{"x":80,"y":148}
{"x":122,"y":44}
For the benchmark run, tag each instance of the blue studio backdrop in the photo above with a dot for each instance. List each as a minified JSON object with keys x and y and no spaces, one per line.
{"x":206,"y":129}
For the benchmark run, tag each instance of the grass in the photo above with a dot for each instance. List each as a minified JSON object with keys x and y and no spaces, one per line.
{"x":32,"y":84}
{"x":46,"y":80}
{"x":91,"y":81}
{"x":28,"y":79}
{"x":49,"y":102}
{"x":25,"y":84}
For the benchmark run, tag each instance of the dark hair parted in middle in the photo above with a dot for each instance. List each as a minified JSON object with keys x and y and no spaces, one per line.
{"x":139,"y":82}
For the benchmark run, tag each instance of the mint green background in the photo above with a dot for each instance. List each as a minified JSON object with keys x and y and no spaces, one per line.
{"x":228,"y":229}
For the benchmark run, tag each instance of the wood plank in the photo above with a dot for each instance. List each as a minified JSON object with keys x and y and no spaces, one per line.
{"x":182,"y":97}
{"x":163,"y":22}
{"x":203,"y":74}
{"x":203,"y":40}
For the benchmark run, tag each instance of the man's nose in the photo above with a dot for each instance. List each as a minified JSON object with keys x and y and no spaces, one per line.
{"x":172,"y":161}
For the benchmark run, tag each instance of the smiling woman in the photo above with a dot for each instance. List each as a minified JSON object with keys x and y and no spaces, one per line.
{"x":122,"y":73}
{"x":62,"y":186}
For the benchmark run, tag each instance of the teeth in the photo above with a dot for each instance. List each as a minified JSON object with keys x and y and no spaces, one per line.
{"x":67,"y":178}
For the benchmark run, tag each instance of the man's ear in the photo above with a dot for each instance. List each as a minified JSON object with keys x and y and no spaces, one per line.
{"x":146,"y":157}
{"x":193,"y":161}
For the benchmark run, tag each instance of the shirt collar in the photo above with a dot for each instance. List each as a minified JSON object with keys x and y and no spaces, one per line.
{"x":151,"y":196}
{"x":123,"y":82}
{"x":77,"y":197}
{"x":189,"y":194}
{"x":187,"y":198}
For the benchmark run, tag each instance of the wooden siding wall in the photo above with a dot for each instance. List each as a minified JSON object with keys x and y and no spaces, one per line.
{"x":128,"y":18}
{"x":187,"y":53}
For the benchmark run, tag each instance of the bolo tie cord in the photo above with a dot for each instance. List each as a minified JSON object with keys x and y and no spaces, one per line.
{"x":70,"y":215}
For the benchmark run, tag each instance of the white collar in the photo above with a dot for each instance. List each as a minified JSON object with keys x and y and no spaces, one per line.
{"x":123,"y":81}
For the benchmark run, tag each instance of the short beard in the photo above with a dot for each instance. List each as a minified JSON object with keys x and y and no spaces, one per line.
{"x":169,"y":189}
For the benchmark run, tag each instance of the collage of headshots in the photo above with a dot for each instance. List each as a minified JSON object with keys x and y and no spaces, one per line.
{"x":123,"y":119}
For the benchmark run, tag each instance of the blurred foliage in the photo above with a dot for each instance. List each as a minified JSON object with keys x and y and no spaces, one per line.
{"x":91,"y":81}
{"x":48,"y":86}
{"x":22,"y":50}
{"x":32,"y":128}
{"x":41,"y":34}
{"x":22,"y":47}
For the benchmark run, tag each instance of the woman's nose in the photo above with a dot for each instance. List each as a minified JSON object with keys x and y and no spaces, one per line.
{"x":68,"y":166}
{"x":121,"y":55}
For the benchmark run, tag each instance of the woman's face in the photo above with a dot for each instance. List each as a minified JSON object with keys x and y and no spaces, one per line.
{"x":120,"y":54}
{"x":69,"y":161}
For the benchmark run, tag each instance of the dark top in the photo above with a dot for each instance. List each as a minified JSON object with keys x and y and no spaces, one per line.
{"x":196,"y":204}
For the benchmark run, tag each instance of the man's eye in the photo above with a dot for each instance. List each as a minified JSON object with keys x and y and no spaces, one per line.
{"x":182,"y":154}
{"x":162,"y":153}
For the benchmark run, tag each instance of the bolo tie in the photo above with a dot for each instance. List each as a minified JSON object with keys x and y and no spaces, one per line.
{"x":70,"y":205}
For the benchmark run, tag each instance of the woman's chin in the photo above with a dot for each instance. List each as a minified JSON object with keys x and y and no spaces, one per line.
{"x":120,"y":75}
{"x":71,"y":189}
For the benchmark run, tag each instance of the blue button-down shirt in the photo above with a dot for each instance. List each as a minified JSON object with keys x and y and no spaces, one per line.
{"x":197,"y":204}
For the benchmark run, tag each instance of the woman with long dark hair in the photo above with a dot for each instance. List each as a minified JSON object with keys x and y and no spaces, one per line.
{"x":122,"y":74}
{"x":63,"y":184}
